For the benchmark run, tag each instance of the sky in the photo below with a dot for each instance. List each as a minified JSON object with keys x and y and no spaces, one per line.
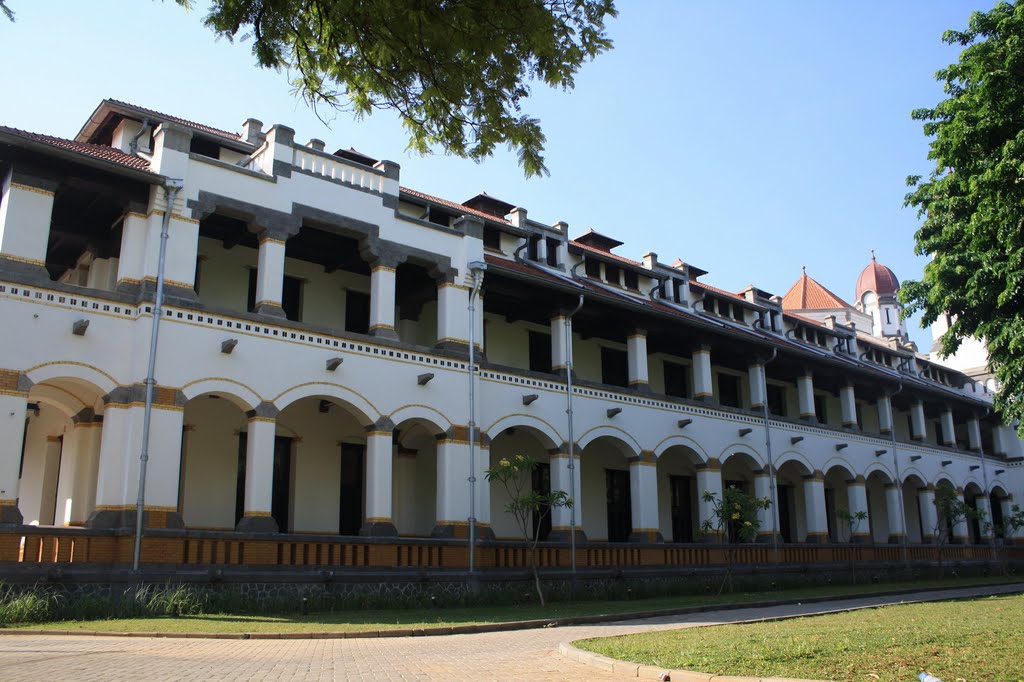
{"x":747,"y":138}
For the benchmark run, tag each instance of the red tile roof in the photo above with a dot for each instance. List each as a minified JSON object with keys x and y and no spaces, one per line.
{"x":602,"y":252}
{"x":716,"y":290}
{"x":808,"y":294}
{"x":180,"y":121}
{"x":807,"y":320}
{"x":458,"y":207}
{"x":97,"y":151}
{"x":877,"y":278}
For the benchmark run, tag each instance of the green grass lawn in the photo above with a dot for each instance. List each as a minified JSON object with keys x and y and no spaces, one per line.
{"x":392,"y":619}
{"x":980,"y":639}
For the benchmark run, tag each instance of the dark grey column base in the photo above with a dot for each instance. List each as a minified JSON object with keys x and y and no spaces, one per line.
{"x":646,"y":536}
{"x":257,"y":524}
{"x":10,"y":515}
{"x":269,"y":309}
{"x":385,"y":333}
{"x":379,"y":529}
{"x":895,"y":540}
{"x":768,"y":537}
{"x":448,"y":531}
{"x":453,"y":347}
{"x":861,"y":539}
{"x":26,"y":272}
{"x":564,"y":536}
{"x":125,"y":518}
{"x":816,"y":538}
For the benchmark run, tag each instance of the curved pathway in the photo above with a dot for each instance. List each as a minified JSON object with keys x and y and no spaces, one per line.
{"x":517,"y":655}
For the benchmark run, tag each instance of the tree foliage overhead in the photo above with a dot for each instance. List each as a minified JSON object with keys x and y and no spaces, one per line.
{"x":456,"y":71}
{"x":972,"y":203}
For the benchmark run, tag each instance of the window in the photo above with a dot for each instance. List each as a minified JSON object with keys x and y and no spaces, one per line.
{"x":631,"y":280}
{"x":612,"y":273}
{"x":888,"y":319}
{"x":357,"y":312}
{"x":531,"y":247}
{"x":614,"y":367}
{"x":540,"y":352}
{"x":821,"y":409}
{"x":592,"y":268}
{"x":553,"y":245}
{"x":676,"y":381}
{"x":776,"y":399}
{"x":728,"y":390}
{"x":492,"y":238}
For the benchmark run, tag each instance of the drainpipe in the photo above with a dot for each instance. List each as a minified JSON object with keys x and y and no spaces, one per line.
{"x":768,"y":450}
{"x":899,"y":480}
{"x":171,"y":189}
{"x":984,"y":478}
{"x":476,"y":268}
{"x":133,"y":146}
{"x":572,"y":444}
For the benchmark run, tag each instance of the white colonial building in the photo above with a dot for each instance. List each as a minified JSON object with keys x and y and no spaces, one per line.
{"x":312,"y":372}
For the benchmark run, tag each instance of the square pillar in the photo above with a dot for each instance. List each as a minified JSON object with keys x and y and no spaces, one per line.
{"x":894,"y":512}
{"x":884,"y":405}
{"x":702,"y":387}
{"x":452,"y":512}
{"x":917,"y":420}
{"x":139,"y":259}
{"x":814,"y":508}
{"x":379,"y":518}
{"x":270,"y":277}
{"x":767,"y":518}
{"x":848,"y":406}
{"x":643,"y":495}
{"x":974,"y":434}
{"x":13,"y":408}
{"x":960,"y":534}
{"x":805,"y":396}
{"x":26,"y":209}
{"x":382,"y":300}
{"x":929,"y":517}
{"x":948,"y":436}
{"x":857,"y":498}
{"x":1006,"y":504}
{"x":257,"y":516}
{"x":453,"y":316}
{"x":79,"y":465}
{"x":709,"y":479}
{"x":636,"y":357}
{"x":758,"y":389}
{"x":565,"y":478}
{"x":985,"y":512}
{"x":558,"y":350}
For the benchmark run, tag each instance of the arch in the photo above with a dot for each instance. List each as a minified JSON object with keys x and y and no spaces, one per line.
{"x":68,"y":369}
{"x":794,"y":456}
{"x":741,"y":449}
{"x":999,"y":491}
{"x":973,"y":487}
{"x":362,"y":409}
{"x":235,"y":391}
{"x":673,"y":441}
{"x":551,"y":437}
{"x":878,"y":468}
{"x":914,"y":473}
{"x":420,"y":413}
{"x":836,"y":463}
{"x":67,"y":394}
{"x":609,"y":432}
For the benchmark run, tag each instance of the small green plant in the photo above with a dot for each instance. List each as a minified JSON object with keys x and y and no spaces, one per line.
{"x":1003,"y":532}
{"x":527,"y":504}
{"x":734,"y":518}
{"x":852,"y":521}
{"x":950,"y":510}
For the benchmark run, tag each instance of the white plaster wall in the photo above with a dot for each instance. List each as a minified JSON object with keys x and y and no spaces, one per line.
{"x":211,"y":462}
{"x":37,"y":488}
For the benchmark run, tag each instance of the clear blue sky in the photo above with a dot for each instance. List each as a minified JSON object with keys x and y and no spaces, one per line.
{"x":747,"y":138}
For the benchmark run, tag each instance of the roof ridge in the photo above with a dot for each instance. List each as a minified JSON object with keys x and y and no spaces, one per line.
{"x":177,"y":119}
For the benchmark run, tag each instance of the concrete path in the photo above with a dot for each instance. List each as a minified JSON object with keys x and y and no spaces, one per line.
{"x":519,"y":655}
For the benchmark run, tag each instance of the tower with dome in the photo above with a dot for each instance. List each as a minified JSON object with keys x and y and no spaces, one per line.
{"x":877,"y":287}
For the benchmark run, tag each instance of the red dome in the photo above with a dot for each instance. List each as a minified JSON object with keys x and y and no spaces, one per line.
{"x":877,"y":278}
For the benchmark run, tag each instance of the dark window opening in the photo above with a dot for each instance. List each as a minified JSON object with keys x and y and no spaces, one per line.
{"x":357,"y":312}
{"x":776,"y":396}
{"x":531,"y":247}
{"x":821,"y":409}
{"x":677,"y":290}
{"x":676,"y":380}
{"x":614,"y":367}
{"x":728,"y":390}
{"x":830,"y":513}
{"x":203,"y":147}
{"x":592,"y":268}
{"x":492,"y":238}
{"x":542,"y":517}
{"x":784,"y":497}
{"x":611,"y":273}
{"x":682,"y":508}
{"x":632,"y":280}
{"x":350,"y":507}
{"x":553,"y":245}
{"x":540,"y":352}
{"x":620,"y":515}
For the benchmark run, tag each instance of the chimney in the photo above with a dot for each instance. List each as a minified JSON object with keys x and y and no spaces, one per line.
{"x":316,"y":144}
{"x":650,"y":260}
{"x":518,"y":216}
{"x":252,"y":131}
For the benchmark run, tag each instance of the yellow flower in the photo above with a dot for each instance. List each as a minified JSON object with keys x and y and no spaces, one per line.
{"x":504,"y":462}
{"x":736,"y":516}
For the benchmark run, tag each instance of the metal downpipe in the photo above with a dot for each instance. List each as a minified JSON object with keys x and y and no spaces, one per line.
{"x":475,"y":269}
{"x":572,"y":443}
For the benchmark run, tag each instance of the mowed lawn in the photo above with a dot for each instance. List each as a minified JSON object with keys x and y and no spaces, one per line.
{"x":979,"y":639}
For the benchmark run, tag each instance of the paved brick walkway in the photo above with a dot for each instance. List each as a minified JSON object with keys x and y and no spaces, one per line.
{"x":519,"y":655}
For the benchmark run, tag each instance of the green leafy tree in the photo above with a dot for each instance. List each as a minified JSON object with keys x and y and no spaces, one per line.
{"x":528,"y":507}
{"x":456,"y":72}
{"x":950,"y":511}
{"x":972,"y":202}
{"x":6,"y":11}
{"x":852,"y":522}
{"x":1003,"y":532}
{"x":733,"y":517}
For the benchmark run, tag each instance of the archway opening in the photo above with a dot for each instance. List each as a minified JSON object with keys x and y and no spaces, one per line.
{"x":604,"y":474}
{"x":876,"y":484}
{"x":678,"y":497}
{"x":791,"y":496}
{"x":738,"y":471}
{"x":529,"y":442}
{"x":414,"y":478}
{"x":913,"y":520}
{"x":212,"y":475}
{"x":837,"y":498}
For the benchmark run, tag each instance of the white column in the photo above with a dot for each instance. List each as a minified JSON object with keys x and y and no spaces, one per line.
{"x":563,"y":478}
{"x":857,"y":498}
{"x":542,"y":250}
{"x":805,"y":395}
{"x":270,"y":277}
{"x":643,"y":496}
{"x":973,"y":434}
{"x":382,"y":301}
{"x":636,"y":356}
{"x":558,"y":359}
{"x":13,"y":407}
{"x":960,"y":534}
{"x":917,"y":420}
{"x":48,"y":479}
{"x":948,"y":435}
{"x":884,"y":414}
{"x":259,"y":476}
{"x":767,"y":518}
{"x":814,"y":506}
{"x":1006,"y":504}
{"x":404,"y":489}
{"x":79,"y":465}
{"x":26,"y":207}
{"x":758,"y":388}
{"x":894,"y":512}
{"x":483,"y":490}
{"x":848,"y":406}
{"x":379,"y":518}
{"x":702,"y":387}
{"x":452,"y":512}
{"x":926,"y":507}
{"x":984,"y":508}
{"x":453,"y":315}
{"x":709,"y":479}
